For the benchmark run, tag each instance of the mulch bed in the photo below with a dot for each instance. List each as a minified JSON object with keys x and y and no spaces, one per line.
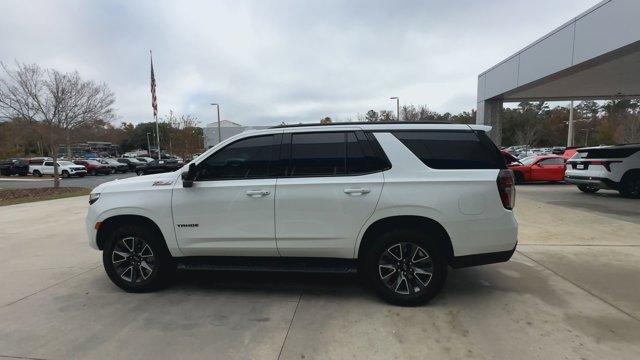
{"x":17,"y":196}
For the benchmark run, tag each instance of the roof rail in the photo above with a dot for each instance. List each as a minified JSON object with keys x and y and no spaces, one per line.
{"x":361,"y":123}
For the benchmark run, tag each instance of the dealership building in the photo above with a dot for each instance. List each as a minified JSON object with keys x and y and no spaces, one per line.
{"x":594,"y":56}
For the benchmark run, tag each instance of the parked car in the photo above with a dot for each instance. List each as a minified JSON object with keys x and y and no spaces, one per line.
{"x":606,"y":167}
{"x":115,"y":165}
{"x":387,"y":199}
{"x":93,"y":166}
{"x":11,"y":167}
{"x":538,"y":168}
{"x":159,"y":166}
{"x":146,"y":159}
{"x":132,"y":163}
{"x":65,"y":169}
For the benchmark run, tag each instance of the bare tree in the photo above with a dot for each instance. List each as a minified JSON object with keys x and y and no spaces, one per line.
{"x":185,"y":137}
{"x":60,"y":102}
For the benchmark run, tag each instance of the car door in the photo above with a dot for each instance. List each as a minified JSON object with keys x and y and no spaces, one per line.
{"x":47,"y":168}
{"x":330,"y":187}
{"x":547,"y":169}
{"x":229,"y":210}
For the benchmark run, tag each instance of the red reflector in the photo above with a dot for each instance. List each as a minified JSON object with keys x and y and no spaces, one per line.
{"x":97,"y":225}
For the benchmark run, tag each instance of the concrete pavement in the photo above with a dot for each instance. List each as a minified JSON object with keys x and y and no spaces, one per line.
{"x":569,"y":292}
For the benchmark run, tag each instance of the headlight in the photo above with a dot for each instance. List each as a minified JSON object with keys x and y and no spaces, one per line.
{"x":93,"y":197}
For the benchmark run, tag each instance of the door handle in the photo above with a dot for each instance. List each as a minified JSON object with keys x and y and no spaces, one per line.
{"x":356,"y":191}
{"x":257,"y":193}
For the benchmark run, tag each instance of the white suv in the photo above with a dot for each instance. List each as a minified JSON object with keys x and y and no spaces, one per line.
{"x":396,"y":202}
{"x":610,"y":167}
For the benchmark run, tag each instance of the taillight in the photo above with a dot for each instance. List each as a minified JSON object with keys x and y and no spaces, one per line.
{"x":507,"y":188}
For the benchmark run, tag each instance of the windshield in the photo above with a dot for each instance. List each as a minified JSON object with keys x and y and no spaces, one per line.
{"x":528,"y":160}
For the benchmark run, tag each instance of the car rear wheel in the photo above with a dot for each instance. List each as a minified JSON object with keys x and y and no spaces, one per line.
{"x":37,"y":173}
{"x":588,"y":189}
{"x":136,"y":261}
{"x":65,"y":174}
{"x":405,"y":267}
{"x":630,"y":186}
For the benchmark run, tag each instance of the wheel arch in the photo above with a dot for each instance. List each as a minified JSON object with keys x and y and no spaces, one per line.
{"x":426,"y":224}
{"x":111,"y":223}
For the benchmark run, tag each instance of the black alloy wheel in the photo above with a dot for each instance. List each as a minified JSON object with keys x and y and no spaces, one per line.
{"x":405,"y":268}
{"x":136,"y":259}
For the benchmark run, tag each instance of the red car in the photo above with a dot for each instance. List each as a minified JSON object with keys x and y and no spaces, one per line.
{"x":93,"y":167}
{"x":538,"y":168}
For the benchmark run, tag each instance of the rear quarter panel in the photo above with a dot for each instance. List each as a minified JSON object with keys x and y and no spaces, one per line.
{"x":465,"y":202}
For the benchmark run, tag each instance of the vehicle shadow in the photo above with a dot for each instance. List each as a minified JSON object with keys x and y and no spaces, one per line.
{"x":481,"y":284}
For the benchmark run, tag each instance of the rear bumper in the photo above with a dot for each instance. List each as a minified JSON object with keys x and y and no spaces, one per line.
{"x":481,"y":259}
{"x":602,"y":183}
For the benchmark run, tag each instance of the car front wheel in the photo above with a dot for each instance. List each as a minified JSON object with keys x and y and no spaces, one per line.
{"x":136,"y":261}
{"x":405,"y":267}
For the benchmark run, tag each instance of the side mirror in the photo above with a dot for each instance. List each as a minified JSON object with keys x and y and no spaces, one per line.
{"x":188,"y":176}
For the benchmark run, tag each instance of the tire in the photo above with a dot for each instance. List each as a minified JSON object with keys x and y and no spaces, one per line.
{"x":150,"y":257}
{"x":386,"y":257}
{"x":588,"y":189}
{"x":82,"y":175}
{"x":113,"y":171}
{"x":518,"y":177}
{"x":37,"y":173}
{"x":92,"y":172}
{"x":65,"y":174}
{"x":630,"y":186}
{"x":139,"y":172}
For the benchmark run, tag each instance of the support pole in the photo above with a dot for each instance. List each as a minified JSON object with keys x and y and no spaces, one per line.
{"x":570,"y":130}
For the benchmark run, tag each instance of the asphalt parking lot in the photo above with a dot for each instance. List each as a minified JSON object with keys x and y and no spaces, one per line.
{"x":89,"y":181}
{"x":570,"y":291}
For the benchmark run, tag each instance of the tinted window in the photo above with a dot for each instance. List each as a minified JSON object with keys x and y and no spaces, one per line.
{"x":357,"y":161}
{"x":609,"y":153}
{"x":317,"y":154}
{"x":553,"y":161}
{"x":244,"y":159}
{"x":48,"y":163}
{"x":451,"y":149}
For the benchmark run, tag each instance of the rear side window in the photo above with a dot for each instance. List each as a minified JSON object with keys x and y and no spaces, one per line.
{"x":333,"y":154}
{"x":244,"y":159}
{"x":552,"y":161}
{"x":452,"y":149}
{"x":318,"y":154}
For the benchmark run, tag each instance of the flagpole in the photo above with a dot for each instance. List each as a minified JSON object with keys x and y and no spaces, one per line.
{"x":155,"y":109}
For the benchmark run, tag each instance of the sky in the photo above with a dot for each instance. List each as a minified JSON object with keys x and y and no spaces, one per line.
{"x":268,"y":62}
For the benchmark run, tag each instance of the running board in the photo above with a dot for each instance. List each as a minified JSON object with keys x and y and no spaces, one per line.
{"x":269,"y":264}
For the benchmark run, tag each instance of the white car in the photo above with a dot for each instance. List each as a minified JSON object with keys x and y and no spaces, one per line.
{"x":396,"y":202}
{"x":609,"y":167}
{"x":65,"y":169}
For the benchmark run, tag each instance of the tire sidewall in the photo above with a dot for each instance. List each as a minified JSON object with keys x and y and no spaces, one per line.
{"x":165,"y":265}
{"x":369,"y":266}
{"x":625,"y":189}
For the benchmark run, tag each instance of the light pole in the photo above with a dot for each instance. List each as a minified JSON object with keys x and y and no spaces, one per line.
{"x":148,"y":145}
{"x":219,"y":135}
{"x":397,"y":99}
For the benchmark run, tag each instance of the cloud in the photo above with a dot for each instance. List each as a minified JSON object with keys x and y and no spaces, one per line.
{"x":273,"y":61}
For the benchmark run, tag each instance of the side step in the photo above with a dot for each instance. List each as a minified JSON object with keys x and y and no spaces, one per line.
{"x":271,"y":264}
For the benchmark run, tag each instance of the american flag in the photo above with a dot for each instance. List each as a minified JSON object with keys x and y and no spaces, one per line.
{"x":154,"y":100}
